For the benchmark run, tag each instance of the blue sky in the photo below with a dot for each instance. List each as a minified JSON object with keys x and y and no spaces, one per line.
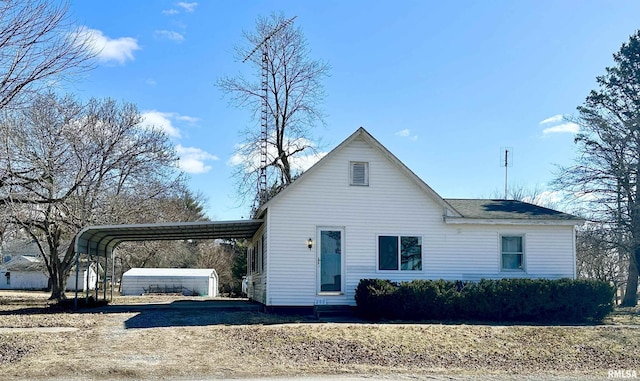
{"x":443,"y":85}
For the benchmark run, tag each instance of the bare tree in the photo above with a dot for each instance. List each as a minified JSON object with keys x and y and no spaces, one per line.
{"x":294,"y":95}
{"x":67,"y":165}
{"x":218,"y":256}
{"x":37,"y":45}
{"x":183,"y":207}
{"x":598,"y":255}
{"x":605,"y":176}
{"x":521,"y":192}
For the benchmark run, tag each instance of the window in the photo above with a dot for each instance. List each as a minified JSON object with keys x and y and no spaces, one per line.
{"x":263,"y":252}
{"x":359,"y":173}
{"x":399,"y":253}
{"x":252,"y":260}
{"x":8,"y":275}
{"x":512,"y":252}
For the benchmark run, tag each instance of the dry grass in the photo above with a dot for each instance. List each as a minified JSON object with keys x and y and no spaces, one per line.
{"x":243,"y":344}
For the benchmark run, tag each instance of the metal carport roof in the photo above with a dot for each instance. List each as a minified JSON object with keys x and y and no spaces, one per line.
{"x":102,"y":239}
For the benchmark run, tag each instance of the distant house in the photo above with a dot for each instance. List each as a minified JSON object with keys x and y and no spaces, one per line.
{"x":27,"y":272}
{"x":16,"y":247}
{"x":361,"y":213}
{"x":198,"y":282}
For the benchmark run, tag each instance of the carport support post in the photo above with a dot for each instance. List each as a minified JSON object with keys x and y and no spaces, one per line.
{"x":113,"y":271}
{"x":86,"y":283}
{"x":104,"y":281}
{"x":75,"y":301}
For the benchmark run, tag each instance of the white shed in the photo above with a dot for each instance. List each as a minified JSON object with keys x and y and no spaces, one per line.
{"x":138,"y":281}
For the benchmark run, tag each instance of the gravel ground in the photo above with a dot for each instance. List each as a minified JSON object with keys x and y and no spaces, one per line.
{"x":40,"y":342}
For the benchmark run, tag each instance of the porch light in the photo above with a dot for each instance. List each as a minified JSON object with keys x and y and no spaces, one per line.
{"x":309,"y":243}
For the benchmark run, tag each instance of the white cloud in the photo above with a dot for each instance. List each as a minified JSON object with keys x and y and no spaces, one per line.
{"x":169,"y":35}
{"x":186,"y":118}
{"x":551,"y":198}
{"x":170,"y":11}
{"x":568,"y":127}
{"x":151,"y":82}
{"x":554,"y":119}
{"x":193,"y":160}
{"x":298,"y":162}
{"x":188,"y":7}
{"x":302,"y":163}
{"x":406,"y":133}
{"x":110,"y":49}
{"x":161,"y":120}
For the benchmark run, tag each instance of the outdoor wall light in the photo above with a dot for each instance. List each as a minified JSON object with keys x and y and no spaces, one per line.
{"x":309,"y":243}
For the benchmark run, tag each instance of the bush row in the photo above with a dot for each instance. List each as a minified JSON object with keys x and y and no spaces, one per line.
{"x":517,"y":300}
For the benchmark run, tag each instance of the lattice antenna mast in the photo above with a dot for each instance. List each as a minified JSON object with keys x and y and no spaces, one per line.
{"x":506,"y":159}
{"x":262,"y":193}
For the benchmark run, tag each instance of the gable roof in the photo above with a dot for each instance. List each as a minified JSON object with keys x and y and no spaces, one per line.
{"x":169,"y":272}
{"x":24,"y":263}
{"x":482,"y":209}
{"x":455,"y":210}
{"x":369,"y":139}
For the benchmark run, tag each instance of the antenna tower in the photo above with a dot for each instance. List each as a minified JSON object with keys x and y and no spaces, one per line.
{"x":262,"y":193}
{"x":506,"y":162}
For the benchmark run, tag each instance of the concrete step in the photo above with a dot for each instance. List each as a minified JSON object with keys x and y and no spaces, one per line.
{"x":323,"y":311}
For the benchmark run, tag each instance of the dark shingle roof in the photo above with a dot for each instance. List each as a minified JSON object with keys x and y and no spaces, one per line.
{"x":506,"y":209}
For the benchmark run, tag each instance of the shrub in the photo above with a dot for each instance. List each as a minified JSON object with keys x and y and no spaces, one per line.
{"x":377,"y":299}
{"x":530,"y":300}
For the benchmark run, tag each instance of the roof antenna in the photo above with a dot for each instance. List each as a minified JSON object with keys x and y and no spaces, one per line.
{"x":506,"y":161}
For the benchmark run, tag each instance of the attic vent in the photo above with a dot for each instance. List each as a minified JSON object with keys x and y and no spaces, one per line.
{"x":359,"y":173}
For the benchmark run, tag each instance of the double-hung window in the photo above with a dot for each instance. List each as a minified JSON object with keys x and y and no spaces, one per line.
{"x":402,"y":253}
{"x":512,"y":252}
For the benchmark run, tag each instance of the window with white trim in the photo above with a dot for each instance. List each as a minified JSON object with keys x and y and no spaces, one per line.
{"x":258,"y":254}
{"x":359,"y":173}
{"x":252,"y":260}
{"x":263,"y":252}
{"x":399,"y":253}
{"x":512,"y":252}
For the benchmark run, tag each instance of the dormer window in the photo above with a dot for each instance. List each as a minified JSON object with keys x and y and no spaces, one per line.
{"x":359,"y":175}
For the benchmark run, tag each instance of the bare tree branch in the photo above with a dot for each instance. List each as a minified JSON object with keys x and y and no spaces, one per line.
{"x":295,"y":94}
{"x":38,"y":45}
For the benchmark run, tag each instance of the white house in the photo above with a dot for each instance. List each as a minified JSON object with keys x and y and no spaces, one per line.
{"x":27,"y":272}
{"x":361,"y":213}
{"x":138,"y":281}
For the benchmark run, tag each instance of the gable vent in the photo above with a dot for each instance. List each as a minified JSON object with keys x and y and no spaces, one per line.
{"x":359,"y":173}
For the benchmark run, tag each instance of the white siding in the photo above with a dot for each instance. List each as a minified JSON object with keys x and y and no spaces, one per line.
{"x":37,"y":280}
{"x":136,"y":283}
{"x":23,"y":280}
{"x":392,"y":203}
{"x":257,"y":281}
{"x":82,"y":280}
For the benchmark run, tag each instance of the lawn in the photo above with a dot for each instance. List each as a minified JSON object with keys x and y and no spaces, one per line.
{"x":193,"y":343}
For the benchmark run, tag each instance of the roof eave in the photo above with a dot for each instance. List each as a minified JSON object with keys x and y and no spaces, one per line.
{"x":510,"y":221}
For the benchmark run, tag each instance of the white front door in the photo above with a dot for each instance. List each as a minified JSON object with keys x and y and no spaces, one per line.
{"x":330,"y":252}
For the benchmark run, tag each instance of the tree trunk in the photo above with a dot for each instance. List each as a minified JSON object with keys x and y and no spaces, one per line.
{"x":631,"y":292}
{"x":58,"y":285}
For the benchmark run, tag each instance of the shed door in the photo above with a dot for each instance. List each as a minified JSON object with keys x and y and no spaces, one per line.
{"x":330,"y":253}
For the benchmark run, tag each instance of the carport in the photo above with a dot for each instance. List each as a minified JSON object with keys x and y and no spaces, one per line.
{"x":101,"y":240}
